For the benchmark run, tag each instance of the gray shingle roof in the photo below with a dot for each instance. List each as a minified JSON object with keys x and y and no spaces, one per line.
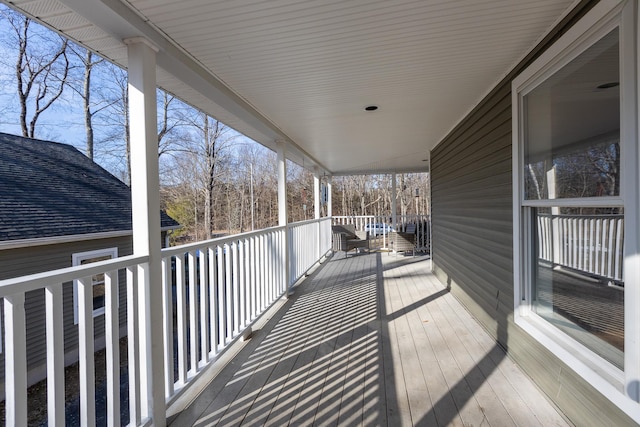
{"x":49,"y":189}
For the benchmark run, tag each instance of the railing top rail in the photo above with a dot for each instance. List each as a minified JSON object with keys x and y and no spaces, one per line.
{"x":218,"y":241}
{"x":39,"y":280}
{"x":308,"y":221}
{"x":177,"y":250}
{"x":592,"y":216}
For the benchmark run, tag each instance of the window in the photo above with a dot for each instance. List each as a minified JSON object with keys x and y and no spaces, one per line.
{"x":575,"y":160}
{"x":97,"y":280}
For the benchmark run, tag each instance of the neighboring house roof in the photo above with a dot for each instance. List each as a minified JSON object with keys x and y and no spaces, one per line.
{"x":49,"y":189}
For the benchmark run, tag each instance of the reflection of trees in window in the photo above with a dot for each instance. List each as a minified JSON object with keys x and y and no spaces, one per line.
{"x":594,"y":172}
{"x":587,"y":170}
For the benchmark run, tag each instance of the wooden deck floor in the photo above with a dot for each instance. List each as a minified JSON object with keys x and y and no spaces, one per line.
{"x":371,"y":340}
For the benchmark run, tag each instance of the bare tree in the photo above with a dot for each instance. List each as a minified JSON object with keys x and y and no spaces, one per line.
{"x":93,"y":101}
{"x":41,"y":69}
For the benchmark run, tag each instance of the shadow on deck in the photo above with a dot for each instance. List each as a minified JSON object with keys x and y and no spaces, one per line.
{"x":371,"y":340}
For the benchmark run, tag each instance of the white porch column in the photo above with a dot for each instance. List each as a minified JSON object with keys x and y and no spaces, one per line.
{"x":394,"y":201}
{"x":316,"y":209}
{"x":316,"y":194}
{"x":329,"y":186}
{"x":282,"y":208}
{"x":145,"y":201}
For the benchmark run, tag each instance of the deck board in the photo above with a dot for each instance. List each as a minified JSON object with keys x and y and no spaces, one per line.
{"x":371,"y":340}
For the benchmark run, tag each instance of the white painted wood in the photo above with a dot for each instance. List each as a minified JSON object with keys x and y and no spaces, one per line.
{"x":15,"y":356}
{"x":167,"y":326}
{"x":394,"y":201}
{"x":316,"y":195}
{"x":112,"y":347}
{"x":263,"y":273}
{"x":244,"y":269}
{"x":193,"y":314}
{"x":55,"y":355}
{"x":181,"y":308}
{"x":133,"y":352}
{"x":228,"y":289}
{"x":213,"y":302}
{"x":253,"y":269}
{"x":145,"y":205}
{"x":282,"y":208}
{"x":86,"y":352}
{"x":41,"y":280}
{"x":204,"y":307}
{"x":222,"y":316}
{"x":235,"y":285}
{"x":329,"y":196}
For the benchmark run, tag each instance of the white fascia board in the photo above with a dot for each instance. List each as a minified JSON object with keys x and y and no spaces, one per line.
{"x":56,"y":240}
{"x":119,"y":20}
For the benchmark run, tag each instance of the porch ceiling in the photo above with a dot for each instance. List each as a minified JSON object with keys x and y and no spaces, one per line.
{"x":303,"y":71}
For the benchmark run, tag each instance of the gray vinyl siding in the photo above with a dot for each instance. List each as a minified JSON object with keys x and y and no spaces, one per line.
{"x":24,"y":261}
{"x":471,"y":186}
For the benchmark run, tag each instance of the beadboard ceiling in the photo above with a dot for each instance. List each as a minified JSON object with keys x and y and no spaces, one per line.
{"x":303,"y":71}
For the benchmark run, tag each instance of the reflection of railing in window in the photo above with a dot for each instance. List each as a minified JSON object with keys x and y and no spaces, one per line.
{"x":586,"y":243}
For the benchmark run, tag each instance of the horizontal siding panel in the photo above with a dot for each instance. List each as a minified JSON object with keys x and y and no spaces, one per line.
{"x":494,"y":130}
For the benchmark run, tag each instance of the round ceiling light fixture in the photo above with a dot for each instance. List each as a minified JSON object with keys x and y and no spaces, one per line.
{"x":609,"y":85}
{"x":371,"y":108}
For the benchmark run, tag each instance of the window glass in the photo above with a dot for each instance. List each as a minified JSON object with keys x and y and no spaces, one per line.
{"x":572,"y":150}
{"x":577,"y":275}
{"x":572,"y":128}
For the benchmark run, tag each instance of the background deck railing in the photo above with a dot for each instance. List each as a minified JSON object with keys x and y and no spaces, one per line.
{"x":587,"y":243}
{"x":212,"y":293}
{"x":367,"y":223}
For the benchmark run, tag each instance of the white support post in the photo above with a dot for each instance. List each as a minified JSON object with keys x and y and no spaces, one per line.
{"x":15,"y":346}
{"x":316,"y":209}
{"x":329,"y":206}
{"x":316,"y":194}
{"x":394,"y":201}
{"x":282,"y":210}
{"x":145,"y":198}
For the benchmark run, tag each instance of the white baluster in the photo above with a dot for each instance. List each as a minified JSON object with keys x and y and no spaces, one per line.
{"x":15,"y":360}
{"x":86,"y":352}
{"x":112,"y":350}
{"x":55,"y":355}
{"x":167,"y":326}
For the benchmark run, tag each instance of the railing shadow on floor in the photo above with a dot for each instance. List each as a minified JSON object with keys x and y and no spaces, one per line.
{"x":321,"y":356}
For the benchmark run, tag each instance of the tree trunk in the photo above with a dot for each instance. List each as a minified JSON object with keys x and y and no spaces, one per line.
{"x":88,"y":125}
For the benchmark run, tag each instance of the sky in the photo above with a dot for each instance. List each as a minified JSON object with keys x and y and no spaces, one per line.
{"x":64,"y":121}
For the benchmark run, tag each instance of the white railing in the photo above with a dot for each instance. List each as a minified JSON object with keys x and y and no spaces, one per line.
{"x":587,"y":243}
{"x":366,"y":223}
{"x":236,"y":278}
{"x":308,"y":240}
{"x":13,"y":292}
{"x":212,"y":293}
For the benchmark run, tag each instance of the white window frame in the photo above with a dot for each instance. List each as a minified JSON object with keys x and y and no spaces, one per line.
{"x":77,"y":259}
{"x":620,"y":386}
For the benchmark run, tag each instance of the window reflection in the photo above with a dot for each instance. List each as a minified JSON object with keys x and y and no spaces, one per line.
{"x":572,"y":144}
{"x":578,"y":278}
